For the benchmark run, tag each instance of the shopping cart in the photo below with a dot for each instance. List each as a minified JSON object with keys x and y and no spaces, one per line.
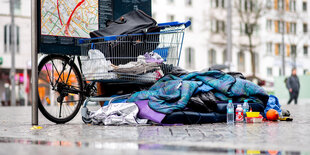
{"x":139,"y":58}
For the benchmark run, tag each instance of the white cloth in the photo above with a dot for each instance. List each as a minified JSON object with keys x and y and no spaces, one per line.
{"x":117,"y":114}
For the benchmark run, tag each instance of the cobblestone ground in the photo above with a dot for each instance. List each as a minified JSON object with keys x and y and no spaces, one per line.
{"x":16,"y":137}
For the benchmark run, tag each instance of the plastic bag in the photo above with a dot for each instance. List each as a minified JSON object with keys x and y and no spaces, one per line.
{"x":273,"y":103}
{"x":95,"y":65}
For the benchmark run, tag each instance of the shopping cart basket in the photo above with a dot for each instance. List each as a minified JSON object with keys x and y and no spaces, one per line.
{"x":133,"y":57}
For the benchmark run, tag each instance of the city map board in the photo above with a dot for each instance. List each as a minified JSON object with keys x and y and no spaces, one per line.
{"x":64,"y":22}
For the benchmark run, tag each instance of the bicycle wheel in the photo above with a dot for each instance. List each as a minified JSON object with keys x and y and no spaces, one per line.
{"x":59,"y":88}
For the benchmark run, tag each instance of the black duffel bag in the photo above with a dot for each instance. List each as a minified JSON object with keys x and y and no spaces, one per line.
{"x":126,"y":49}
{"x":132,"y":22}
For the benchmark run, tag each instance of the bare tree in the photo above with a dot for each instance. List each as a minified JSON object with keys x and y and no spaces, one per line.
{"x":249,"y":12}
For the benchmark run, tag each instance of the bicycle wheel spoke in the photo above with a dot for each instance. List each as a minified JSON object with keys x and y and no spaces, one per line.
{"x":68,"y":75}
{"x":71,"y":101}
{"x":53,"y":65}
{"x":48,"y":74}
{"x":67,"y":109}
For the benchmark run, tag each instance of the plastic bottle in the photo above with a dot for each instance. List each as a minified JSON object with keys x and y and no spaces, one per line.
{"x":245,"y":108}
{"x":230,"y":112}
{"x":239,"y":113}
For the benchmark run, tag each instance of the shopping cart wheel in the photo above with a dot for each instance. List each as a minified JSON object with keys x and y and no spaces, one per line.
{"x":59,"y":88}
{"x":85,"y":115}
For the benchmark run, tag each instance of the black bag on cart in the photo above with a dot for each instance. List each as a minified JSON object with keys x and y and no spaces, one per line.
{"x":127,"y":48}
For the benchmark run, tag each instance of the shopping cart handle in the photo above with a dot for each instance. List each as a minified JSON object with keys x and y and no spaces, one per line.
{"x":176,"y":23}
{"x":106,"y":38}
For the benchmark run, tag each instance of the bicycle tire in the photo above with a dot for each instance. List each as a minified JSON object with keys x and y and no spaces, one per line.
{"x":64,"y":60}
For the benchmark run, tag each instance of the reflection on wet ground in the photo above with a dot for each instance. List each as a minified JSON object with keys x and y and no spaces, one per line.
{"x":150,"y":147}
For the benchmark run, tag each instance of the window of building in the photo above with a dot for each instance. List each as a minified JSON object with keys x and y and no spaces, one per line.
{"x":277,"y":49}
{"x":305,"y":50}
{"x":276,"y":26}
{"x":17,"y":4}
{"x":275,"y":4}
{"x":269,"y":71}
{"x":223,"y":4}
{"x":281,"y":27}
{"x":293,"y":50}
{"x":224,"y":56}
{"x":248,"y":5}
{"x":246,"y":28}
{"x":190,"y":57}
{"x":269,"y":25}
{"x":218,"y":26}
{"x":288,"y":50}
{"x":7,"y":38}
{"x":171,"y":18}
{"x":269,"y":4}
{"x":305,"y":28}
{"x":189,"y":2}
{"x":212,"y":57}
{"x":279,"y":5}
{"x":269,"y":48}
{"x":292,"y":5}
{"x":304,"y":6}
{"x":293,"y":28}
{"x":221,"y":27}
{"x":287,"y":27}
{"x":241,"y":61}
{"x":218,"y":3}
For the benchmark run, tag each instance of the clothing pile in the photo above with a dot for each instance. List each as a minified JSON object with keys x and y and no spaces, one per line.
{"x":197,"y":97}
{"x":147,"y":67}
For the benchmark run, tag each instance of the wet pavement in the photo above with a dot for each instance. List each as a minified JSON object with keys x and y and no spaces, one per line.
{"x":75,"y":137}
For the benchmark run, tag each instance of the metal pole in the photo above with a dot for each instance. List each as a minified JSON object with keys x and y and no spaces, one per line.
{"x":12,"y":38}
{"x":229,"y":35}
{"x":34,"y":60}
{"x":283,"y":49}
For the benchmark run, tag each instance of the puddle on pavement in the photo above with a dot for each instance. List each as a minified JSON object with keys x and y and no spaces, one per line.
{"x":137,"y":146}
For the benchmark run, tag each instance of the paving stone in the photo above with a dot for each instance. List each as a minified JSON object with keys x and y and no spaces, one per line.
{"x":195,"y":139}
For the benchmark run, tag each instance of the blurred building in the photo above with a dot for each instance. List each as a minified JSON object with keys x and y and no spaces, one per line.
{"x":205,"y":41}
{"x":22,"y":52}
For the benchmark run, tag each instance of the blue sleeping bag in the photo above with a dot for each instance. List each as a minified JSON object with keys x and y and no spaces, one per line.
{"x":191,"y":117}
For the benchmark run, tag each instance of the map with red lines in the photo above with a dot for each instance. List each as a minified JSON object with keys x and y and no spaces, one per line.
{"x":71,"y":18}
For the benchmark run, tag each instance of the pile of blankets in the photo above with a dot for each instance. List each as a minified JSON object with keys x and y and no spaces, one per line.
{"x":196,"y":91}
{"x":172,"y":93}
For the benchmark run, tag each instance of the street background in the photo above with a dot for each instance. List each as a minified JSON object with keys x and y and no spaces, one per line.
{"x":280,"y":41}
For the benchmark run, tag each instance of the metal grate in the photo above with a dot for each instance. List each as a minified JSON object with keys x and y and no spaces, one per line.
{"x":129,"y":49}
